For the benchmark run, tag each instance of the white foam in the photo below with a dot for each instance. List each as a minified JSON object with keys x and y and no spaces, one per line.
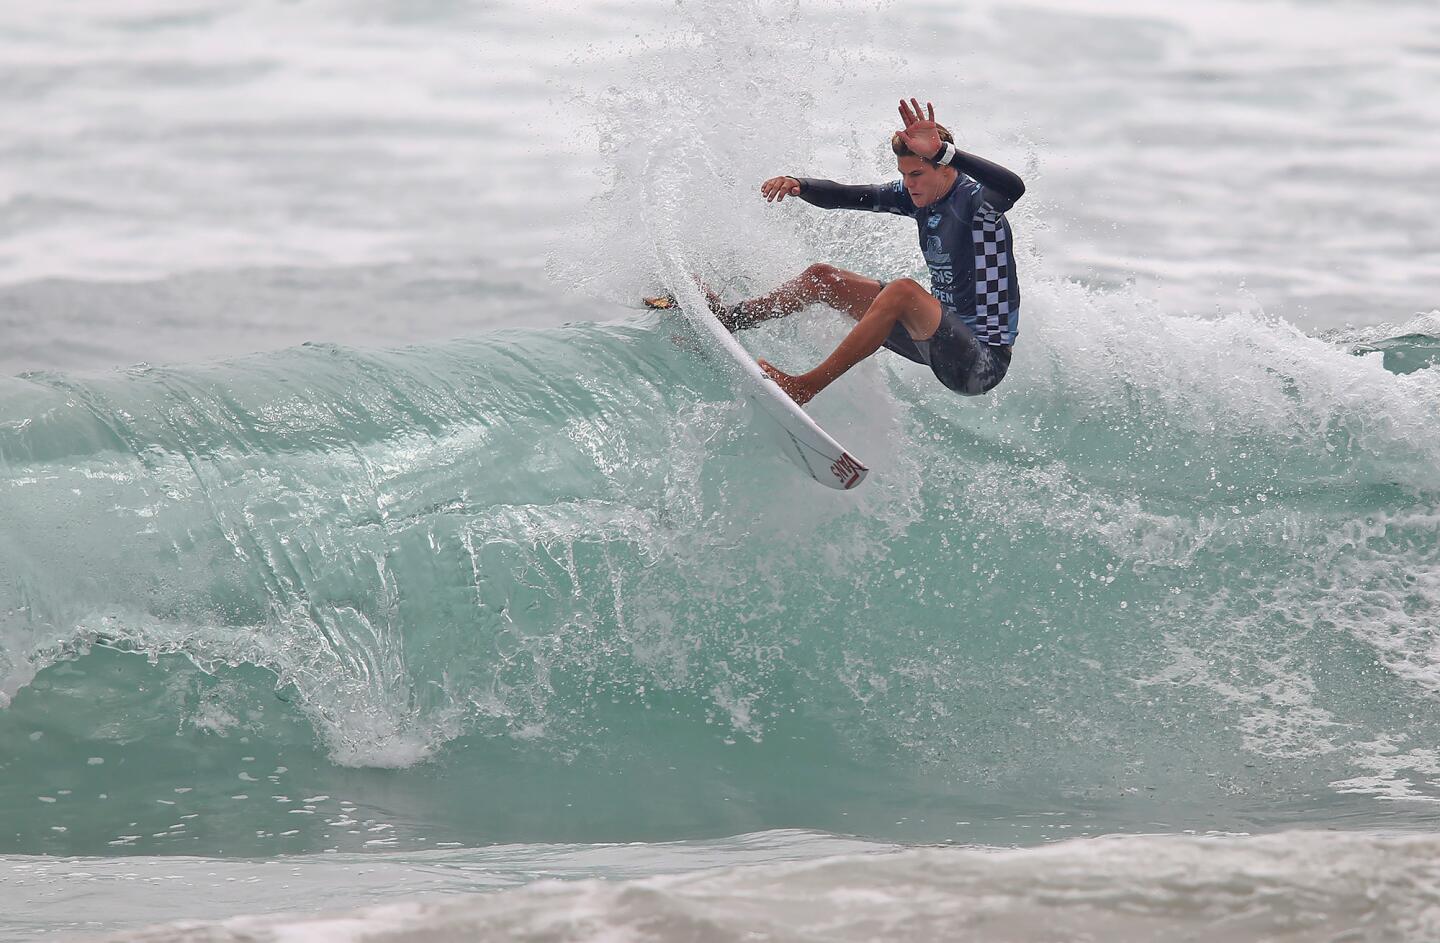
{"x":1300,"y":886}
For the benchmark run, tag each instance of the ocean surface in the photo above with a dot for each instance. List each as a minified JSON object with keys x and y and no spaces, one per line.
{"x":372,"y":565}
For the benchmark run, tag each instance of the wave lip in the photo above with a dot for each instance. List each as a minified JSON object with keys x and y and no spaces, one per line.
{"x":1404,"y":348}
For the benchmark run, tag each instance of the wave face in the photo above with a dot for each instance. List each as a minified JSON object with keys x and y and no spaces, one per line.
{"x":554,"y":585}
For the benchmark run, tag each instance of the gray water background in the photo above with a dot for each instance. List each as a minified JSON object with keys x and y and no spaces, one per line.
{"x":187,"y":181}
{"x":193,"y":180}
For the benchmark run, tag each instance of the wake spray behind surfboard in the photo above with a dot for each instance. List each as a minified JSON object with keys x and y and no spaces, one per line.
{"x":706,"y":112}
{"x":698,"y":117}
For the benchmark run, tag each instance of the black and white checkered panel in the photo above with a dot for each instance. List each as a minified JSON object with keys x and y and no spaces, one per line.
{"x":992,"y":276}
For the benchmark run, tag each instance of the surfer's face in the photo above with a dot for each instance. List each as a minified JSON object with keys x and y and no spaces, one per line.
{"x":924,"y":181}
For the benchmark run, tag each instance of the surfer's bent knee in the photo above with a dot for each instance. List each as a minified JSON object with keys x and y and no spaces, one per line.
{"x":825,"y":275}
{"x":905,"y":288}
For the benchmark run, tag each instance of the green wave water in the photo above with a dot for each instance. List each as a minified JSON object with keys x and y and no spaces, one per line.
{"x":553,"y":586}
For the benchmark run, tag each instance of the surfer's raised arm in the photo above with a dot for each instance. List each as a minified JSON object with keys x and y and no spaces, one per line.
{"x":921,"y":136}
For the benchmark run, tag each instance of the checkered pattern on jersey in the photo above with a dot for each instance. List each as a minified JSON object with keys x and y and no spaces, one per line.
{"x":992,"y":276}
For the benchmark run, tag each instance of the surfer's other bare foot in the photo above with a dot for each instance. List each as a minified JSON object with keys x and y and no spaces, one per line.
{"x":797,"y":388}
{"x":712,"y":297}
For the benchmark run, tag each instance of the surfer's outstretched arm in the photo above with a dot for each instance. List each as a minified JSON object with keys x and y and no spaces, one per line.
{"x":888,"y":198}
{"x":922,"y":137}
{"x":829,"y":195}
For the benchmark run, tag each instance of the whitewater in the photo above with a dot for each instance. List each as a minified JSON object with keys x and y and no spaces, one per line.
{"x":373,"y":566}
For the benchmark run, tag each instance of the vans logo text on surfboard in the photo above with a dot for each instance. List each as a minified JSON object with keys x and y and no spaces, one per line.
{"x":847,"y":470}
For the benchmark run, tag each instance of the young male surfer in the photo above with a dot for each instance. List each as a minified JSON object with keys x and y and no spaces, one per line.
{"x":964,"y":325}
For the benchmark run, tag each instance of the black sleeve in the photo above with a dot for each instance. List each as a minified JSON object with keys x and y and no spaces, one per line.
{"x":1005,"y":182}
{"x":877,"y":198}
{"x":829,"y":195}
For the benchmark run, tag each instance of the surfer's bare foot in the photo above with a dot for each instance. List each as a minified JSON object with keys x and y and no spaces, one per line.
{"x":712,"y":299}
{"x":797,"y":388}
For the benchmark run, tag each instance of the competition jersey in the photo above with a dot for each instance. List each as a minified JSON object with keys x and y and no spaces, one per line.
{"x":964,"y":237}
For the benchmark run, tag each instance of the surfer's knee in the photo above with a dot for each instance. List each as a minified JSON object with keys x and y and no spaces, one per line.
{"x":904,"y":289}
{"x":837,"y":287}
{"x":824,"y":277}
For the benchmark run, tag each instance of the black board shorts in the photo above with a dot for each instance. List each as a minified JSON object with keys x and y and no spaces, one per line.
{"x":958,"y":358}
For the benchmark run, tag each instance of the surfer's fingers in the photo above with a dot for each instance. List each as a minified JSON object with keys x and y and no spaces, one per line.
{"x":905,"y":113}
{"x":915,"y":106}
{"x":931,"y":109}
{"x":777,"y":188}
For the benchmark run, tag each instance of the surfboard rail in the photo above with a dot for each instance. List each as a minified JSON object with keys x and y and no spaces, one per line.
{"x":806,"y":443}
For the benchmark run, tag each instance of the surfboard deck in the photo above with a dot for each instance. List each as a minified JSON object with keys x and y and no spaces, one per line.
{"x":802,"y":439}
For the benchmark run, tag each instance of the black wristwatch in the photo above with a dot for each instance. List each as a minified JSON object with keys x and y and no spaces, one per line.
{"x":945,"y":155}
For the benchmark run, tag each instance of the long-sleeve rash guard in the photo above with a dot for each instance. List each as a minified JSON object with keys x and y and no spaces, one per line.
{"x":967,"y":223}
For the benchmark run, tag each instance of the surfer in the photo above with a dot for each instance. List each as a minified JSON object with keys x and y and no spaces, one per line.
{"x":963,"y":326}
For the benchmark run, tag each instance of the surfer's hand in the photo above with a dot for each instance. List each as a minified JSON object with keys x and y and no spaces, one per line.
{"x":921,"y":135}
{"x":795,"y":387}
{"x":778,"y":188}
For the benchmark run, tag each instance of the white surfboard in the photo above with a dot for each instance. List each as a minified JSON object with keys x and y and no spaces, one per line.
{"x":801,"y":438}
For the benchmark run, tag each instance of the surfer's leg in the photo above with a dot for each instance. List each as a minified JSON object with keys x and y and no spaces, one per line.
{"x":903,"y":301}
{"x":820,"y":283}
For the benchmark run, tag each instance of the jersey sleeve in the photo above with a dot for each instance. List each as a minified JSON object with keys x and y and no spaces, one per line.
{"x":877,"y":198}
{"x":1002,"y":186}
